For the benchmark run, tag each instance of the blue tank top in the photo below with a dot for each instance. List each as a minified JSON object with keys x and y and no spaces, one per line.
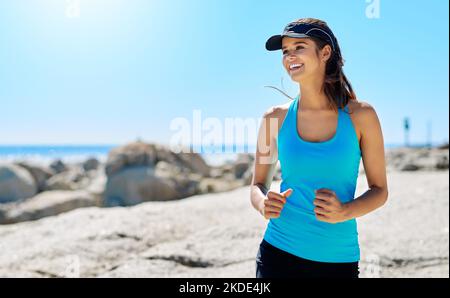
{"x":305,"y":167}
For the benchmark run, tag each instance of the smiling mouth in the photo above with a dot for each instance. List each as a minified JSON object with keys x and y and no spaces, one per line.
{"x":295,"y":67}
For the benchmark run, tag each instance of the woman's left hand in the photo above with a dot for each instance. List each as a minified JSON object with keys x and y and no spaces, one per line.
{"x":328,"y":207}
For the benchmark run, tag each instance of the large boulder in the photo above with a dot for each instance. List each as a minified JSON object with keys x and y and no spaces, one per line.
{"x":40,"y":174}
{"x":135,"y":185}
{"x":148,"y":155}
{"x":134,"y":154}
{"x":16,"y":183}
{"x":140,"y":172}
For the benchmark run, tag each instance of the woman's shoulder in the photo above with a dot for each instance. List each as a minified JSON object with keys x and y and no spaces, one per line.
{"x":360,"y":109}
{"x":359,"y":105}
{"x":278,"y":111}
{"x":362,"y":114}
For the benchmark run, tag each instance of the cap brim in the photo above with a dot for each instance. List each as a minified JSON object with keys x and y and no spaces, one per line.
{"x":274,"y":42}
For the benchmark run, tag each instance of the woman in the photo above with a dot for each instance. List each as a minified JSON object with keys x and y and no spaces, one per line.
{"x":319,"y":139}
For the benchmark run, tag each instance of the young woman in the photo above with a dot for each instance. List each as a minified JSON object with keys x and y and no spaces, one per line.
{"x":319,"y":139}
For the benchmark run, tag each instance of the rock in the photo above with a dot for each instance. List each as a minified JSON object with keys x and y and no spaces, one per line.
{"x":165,"y":169}
{"x":410,"y":167}
{"x":247,"y":162}
{"x":248,"y":176}
{"x":58,"y":166}
{"x":97,"y":184}
{"x":131,"y":155}
{"x":443,"y":146}
{"x":139,"y":184}
{"x":195,"y":163}
{"x":216,"y":172}
{"x":442,"y":163}
{"x":140,"y":172}
{"x":91,"y":164}
{"x":185,"y":181}
{"x":47,"y":203}
{"x":242,"y":164}
{"x":39,"y":173}
{"x":416,"y":159}
{"x":97,"y":181}
{"x":187,"y":185}
{"x":148,"y":155}
{"x":236,"y":168}
{"x":227,"y":169}
{"x":16,"y":183}
{"x":72,"y":179}
{"x":188,"y":161}
{"x":423,"y":153}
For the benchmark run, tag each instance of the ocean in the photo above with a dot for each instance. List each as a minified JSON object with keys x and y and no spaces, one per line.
{"x":44,"y":154}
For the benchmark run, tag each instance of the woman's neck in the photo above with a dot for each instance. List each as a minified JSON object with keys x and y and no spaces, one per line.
{"x":313,"y":96}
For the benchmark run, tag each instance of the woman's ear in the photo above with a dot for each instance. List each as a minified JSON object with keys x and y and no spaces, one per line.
{"x":326,"y":53}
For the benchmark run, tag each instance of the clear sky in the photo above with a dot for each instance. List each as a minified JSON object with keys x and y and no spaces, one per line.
{"x":109,"y":71}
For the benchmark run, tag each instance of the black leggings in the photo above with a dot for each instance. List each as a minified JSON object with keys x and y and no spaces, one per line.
{"x":272,"y":262}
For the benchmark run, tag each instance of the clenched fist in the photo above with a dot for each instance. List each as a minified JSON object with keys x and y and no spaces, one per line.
{"x":328,"y":206}
{"x":274,"y":202}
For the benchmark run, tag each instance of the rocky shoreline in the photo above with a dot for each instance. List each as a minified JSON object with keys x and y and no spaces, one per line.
{"x":135,"y":173}
{"x":141,"y":172}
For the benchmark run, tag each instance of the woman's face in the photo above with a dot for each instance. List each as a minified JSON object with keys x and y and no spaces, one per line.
{"x":300,"y":58}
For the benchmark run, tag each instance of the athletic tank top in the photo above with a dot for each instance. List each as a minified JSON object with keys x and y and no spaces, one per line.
{"x":305,"y":167}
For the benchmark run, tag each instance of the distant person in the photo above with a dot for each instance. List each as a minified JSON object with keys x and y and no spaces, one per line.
{"x":319,"y":138}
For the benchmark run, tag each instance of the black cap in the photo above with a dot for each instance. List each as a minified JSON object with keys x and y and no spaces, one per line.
{"x":301,"y":30}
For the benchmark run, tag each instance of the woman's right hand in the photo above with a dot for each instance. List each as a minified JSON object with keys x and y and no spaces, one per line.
{"x":273,"y":204}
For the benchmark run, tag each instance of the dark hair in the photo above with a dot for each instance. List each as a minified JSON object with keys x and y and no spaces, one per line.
{"x":337,"y":87}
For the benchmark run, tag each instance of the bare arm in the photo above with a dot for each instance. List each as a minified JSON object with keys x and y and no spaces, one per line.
{"x":373,"y":157}
{"x":266,"y":158}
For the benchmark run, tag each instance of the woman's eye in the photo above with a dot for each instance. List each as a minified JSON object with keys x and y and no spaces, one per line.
{"x":296,"y":49}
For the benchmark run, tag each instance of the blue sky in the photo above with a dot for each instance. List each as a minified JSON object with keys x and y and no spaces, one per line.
{"x":122,"y":69}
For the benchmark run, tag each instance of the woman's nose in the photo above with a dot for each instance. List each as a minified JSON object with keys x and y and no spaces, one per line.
{"x":291,"y":57}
